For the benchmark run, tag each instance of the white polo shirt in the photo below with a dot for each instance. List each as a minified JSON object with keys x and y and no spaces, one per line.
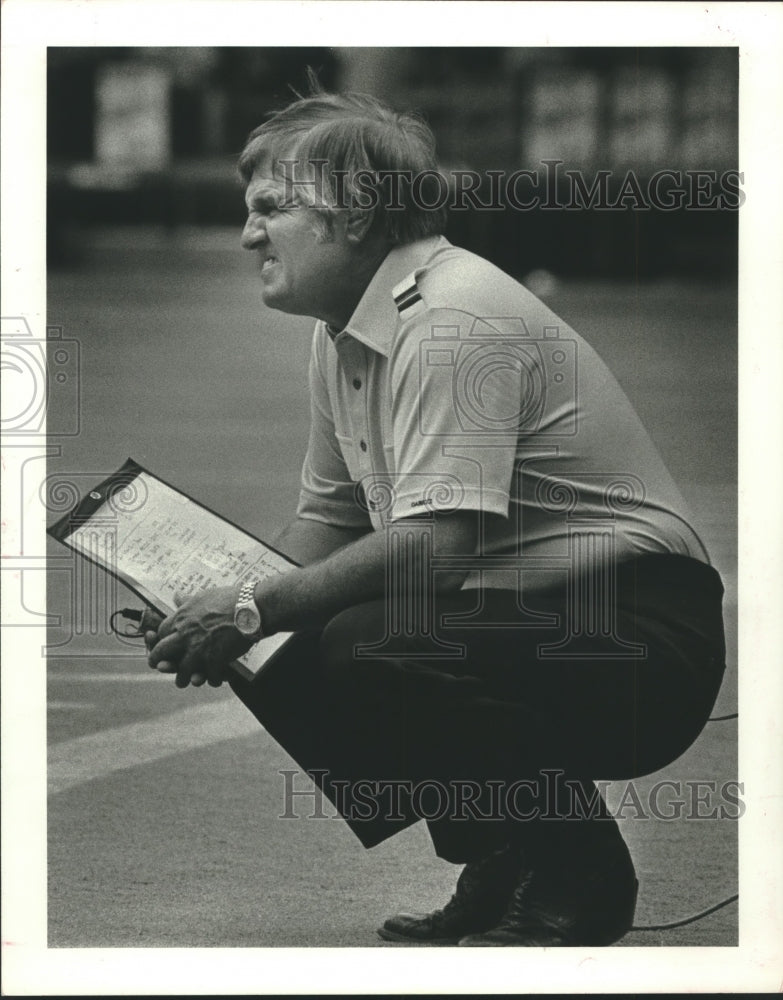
{"x":453,"y":387}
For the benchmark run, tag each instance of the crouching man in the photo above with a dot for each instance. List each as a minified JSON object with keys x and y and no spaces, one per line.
{"x":501,"y":596}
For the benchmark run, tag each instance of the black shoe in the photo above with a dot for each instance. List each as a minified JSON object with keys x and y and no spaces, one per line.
{"x":481,"y":898}
{"x":586,"y":906}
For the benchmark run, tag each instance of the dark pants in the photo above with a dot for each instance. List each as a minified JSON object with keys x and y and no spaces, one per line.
{"x":492,"y":738}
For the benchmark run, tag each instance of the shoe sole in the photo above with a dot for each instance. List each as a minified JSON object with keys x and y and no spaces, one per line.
{"x":387,"y":935}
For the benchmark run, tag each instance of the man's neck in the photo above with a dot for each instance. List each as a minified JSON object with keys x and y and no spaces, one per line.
{"x":366,"y":269}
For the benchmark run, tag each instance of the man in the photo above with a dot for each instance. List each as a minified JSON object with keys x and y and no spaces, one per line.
{"x":501,"y":596}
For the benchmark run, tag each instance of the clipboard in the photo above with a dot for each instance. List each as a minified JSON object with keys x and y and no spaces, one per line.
{"x":158,"y":541}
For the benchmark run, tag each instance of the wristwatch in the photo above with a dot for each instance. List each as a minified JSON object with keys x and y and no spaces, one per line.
{"x":247,"y":617}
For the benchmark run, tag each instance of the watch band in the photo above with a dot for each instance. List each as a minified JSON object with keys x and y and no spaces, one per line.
{"x":247,"y":617}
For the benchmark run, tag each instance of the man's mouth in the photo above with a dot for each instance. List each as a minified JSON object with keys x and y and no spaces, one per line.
{"x":268,"y":262}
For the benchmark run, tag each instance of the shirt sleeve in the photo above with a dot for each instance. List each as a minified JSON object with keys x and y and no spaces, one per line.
{"x":327,"y":493}
{"x":456,"y":388}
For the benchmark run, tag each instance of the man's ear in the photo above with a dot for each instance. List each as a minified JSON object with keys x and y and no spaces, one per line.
{"x":358,"y":224}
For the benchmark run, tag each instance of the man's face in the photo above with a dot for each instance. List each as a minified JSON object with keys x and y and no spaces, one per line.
{"x":301,"y":272}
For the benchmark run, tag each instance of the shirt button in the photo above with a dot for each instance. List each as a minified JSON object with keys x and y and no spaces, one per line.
{"x":357,"y":383}
{"x":363,"y":445}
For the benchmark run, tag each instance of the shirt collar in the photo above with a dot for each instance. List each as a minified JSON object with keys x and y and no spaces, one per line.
{"x":375,"y":318}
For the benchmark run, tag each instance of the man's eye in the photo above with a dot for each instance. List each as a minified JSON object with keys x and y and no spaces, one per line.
{"x":271,"y":208}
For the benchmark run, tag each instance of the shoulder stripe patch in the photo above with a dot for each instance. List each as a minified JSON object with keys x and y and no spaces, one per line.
{"x":408,"y":300}
{"x":406,"y":295}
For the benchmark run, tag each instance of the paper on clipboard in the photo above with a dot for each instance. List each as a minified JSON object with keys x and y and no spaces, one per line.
{"x":160,"y":542}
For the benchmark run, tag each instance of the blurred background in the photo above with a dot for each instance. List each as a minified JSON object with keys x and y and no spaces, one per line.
{"x":151,"y":135}
{"x":172,"y":358}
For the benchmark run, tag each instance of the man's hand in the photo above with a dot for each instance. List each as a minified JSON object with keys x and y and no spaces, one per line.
{"x":199,"y":640}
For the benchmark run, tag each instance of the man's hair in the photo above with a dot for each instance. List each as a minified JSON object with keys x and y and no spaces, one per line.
{"x":358,"y":141}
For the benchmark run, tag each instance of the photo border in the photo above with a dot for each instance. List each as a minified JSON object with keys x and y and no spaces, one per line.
{"x":757,"y":29}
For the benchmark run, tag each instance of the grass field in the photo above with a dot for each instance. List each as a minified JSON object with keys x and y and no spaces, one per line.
{"x":164,"y":805}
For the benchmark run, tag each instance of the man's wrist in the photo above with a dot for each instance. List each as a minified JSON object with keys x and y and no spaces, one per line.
{"x":247,"y":614}
{"x":265,"y":610}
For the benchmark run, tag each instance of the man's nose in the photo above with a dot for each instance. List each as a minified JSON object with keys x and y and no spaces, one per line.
{"x":253,"y":235}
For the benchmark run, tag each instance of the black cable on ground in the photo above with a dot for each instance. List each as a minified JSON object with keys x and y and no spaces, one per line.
{"x":688,"y":920}
{"x":710,"y":909}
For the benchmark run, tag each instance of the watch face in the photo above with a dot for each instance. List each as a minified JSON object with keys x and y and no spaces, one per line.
{"x":246,"y":621}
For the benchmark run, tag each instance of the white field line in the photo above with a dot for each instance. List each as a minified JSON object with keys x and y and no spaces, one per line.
{"x":96,"y":755}
{"x":127,"y":676}
{"x":70,"y":706}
